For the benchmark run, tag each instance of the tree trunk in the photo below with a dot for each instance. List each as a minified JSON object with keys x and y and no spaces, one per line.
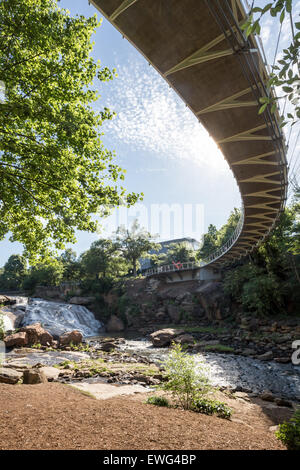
{"x":134,"y":267}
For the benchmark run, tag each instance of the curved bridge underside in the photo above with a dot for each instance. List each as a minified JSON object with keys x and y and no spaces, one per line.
{"x":200,"y":50}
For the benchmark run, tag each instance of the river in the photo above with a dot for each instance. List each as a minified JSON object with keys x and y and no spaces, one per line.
{"x":224,"y":370}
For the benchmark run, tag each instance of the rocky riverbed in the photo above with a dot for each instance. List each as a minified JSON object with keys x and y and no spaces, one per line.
{"x":136,"y":361}
{"x":247,"y":359}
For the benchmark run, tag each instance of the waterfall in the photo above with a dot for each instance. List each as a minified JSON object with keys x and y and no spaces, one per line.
{"x":58,"y":317}
{"x":7,"y":323}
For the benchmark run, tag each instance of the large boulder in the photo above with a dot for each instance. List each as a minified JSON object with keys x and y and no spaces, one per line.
{"x":163,"y":338}
{"x":9,"y":376}
{"x":37,"y":334}
{"x":185,"y":339}
{"x":51,"y":373}
{"x":69,"y":337}
{"x":115,"y":324}
{"x":5,"y":300}
{"x":16,"y":339}
{"x":34,"y":376}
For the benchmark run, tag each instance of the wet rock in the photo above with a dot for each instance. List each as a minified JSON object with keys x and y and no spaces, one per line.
{"x":282,"y":360}
{"x":282,"y":402}
{"x":266,"y":395}
{"x":115,"y":324}
{"x":82,"y":300}
{"x":249,"y":352}
{"x":51,"y":373}
{"x":5,"y":300}
{"x":9,"y":376}
{"x":84,"y":373}
{"x":16,"y":339}
{"x":163,"y":338}
{"x":74,"y":337}
{"x":267,"y":356}
{"x":108,"y":346}
{"x":184,"y":339}
{"x":34,"y":376}
{"x":37,"y":334}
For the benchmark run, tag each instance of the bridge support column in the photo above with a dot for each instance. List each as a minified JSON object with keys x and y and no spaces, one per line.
{"x":198,"y":274}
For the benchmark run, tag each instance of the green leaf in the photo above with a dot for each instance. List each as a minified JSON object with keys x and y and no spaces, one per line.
{"x":264,"y":99}
{"x":287,"y":89}
{"x":262,"y":108}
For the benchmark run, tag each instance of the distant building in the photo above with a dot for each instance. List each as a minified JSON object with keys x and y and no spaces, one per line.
{"x":145,"y":263}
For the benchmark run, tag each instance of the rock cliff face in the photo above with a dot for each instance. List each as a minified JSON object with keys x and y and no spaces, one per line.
{"x":209,"y":319}
{"x":154,"y":302}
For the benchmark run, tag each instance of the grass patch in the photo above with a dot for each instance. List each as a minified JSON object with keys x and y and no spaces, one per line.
{"x":158,"y":401}
{"x":218,"y":348}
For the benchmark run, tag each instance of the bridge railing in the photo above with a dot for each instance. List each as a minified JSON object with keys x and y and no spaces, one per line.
{"x":169,"y":268}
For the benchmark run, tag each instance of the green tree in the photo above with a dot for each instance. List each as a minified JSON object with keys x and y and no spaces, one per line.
{"x":72,"y":266}
{"x":285,"y":72}
{"x":47,"y":273}
{"x":267,"y":281}
{"x":134,"y":243}
{"x":209,"y":242}
{"x":179,"y":252}
{"x":14,"y":272}
{"x":102,"y":259}
{"x":228,"y":229}
{"x":214,"y":239}
{"x":54,"y":170}
{"x":184,"y":380}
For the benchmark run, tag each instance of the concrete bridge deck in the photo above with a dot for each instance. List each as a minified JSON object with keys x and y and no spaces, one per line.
{"x":199,"y":49}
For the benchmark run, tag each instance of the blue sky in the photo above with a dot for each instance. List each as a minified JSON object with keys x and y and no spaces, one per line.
{"x":168,"y":155}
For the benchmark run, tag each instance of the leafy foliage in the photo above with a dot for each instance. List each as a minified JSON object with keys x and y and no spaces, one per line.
{"x":256,"y":289}
{"x":178,"y":252}
{"x":285,"y":74}
{"x":103,"y":259}
{"x":134,"y":243}
{"x":54,"y":170}
{"x":289,"y":432}
{"x":14,"y":272}
{"x":158,"y":401}
{"x":210,"y":407}
{"x":269,"y":279}
{"x":214,"y":239}
{"x":46,"y":273}
{"x":185,"y":380}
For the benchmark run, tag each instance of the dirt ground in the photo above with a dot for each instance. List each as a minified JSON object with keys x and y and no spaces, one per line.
{"x":56,"y":416}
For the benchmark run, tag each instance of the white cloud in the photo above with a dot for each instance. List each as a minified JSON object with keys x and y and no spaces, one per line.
{"x":151,"y":117}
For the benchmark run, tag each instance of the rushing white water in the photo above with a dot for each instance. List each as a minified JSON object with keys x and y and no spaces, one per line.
{"x":58,"y":317}
{"x":7,"y":323}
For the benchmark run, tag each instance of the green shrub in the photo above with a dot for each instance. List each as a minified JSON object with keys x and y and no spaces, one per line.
{"x":158,"y":401}
{"x":209,"y":407}
{"x":257,"y":290}
{"x":184,"y":379}
{"x":289,"y":432}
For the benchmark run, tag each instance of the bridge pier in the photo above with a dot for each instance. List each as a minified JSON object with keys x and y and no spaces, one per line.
{"x":200,"y":274}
